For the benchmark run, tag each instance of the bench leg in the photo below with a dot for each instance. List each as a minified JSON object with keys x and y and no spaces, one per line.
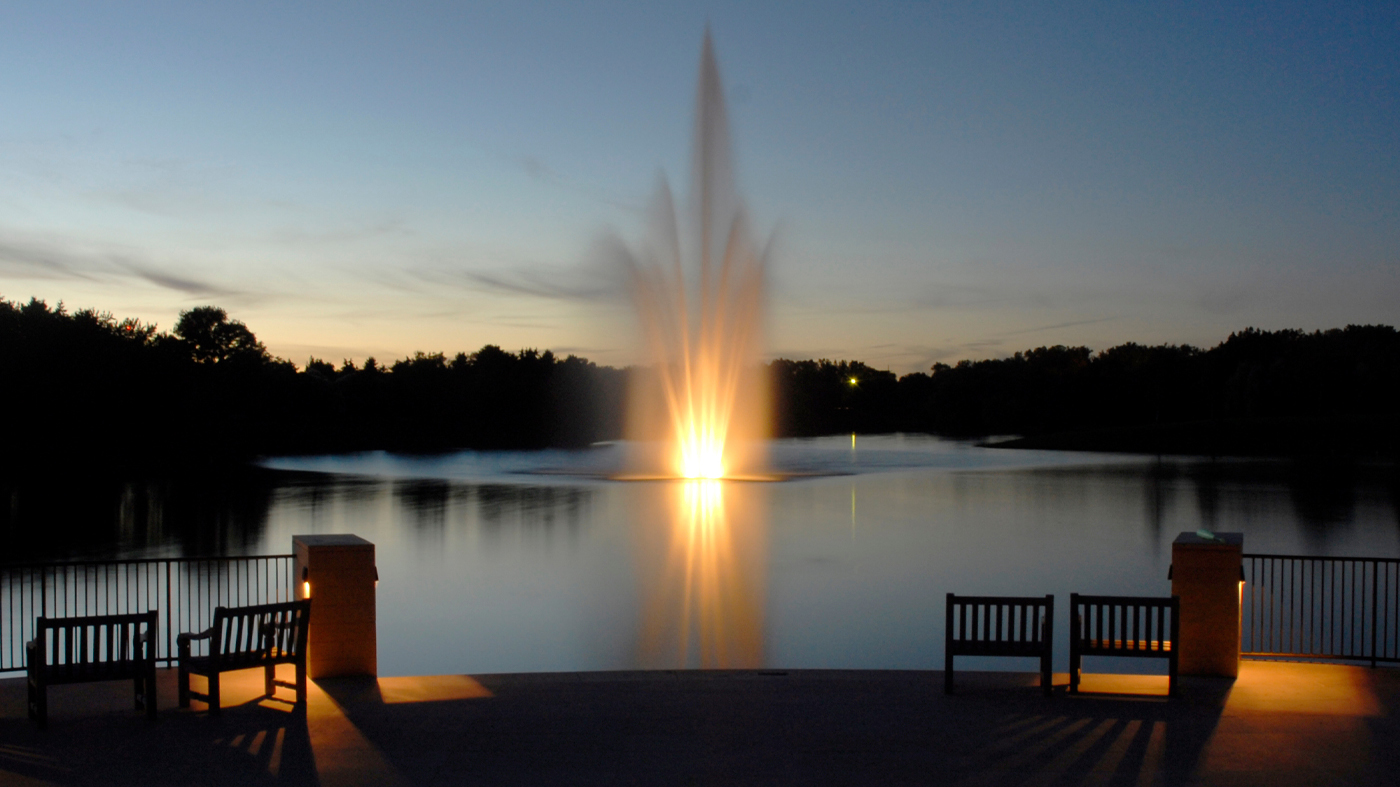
{"x":269,"y":675}
{"x":146,"y":694}
{"x":41,"y":706}
{"x":213,"y":692}
{"x":1045,"y":676}
{"x":948,"y":674}
{"x":39,"y":703}
{"x":184,"y":688}
{"x":151,"y":692}
{"x":1074,"y":673}
{"x":301,"y":683}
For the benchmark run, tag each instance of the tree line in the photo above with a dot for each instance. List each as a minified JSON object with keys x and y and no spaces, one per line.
{"x":87,"y":389}
{"x":1256,"y":393}
{"x":84,"y":389}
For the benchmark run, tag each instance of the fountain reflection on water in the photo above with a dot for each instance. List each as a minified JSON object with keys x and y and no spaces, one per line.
{"x":703,"y":603}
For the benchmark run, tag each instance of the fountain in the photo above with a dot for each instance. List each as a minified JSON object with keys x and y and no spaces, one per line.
{"x":701,"y":410}
{"x":699,"y":413}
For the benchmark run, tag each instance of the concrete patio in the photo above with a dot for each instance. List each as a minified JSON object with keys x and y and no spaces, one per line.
{"x":1278,"y":724}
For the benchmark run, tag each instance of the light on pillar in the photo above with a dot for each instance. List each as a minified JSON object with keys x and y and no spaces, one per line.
{"x":306,"y":582}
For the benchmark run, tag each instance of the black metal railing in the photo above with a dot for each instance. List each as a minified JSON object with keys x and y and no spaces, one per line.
{"x":184,"y":591}
{"x":1340,"y":608}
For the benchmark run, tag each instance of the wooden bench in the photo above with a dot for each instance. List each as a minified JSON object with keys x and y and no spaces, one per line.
{"x":88,"y":649}
{"x":1133,"y":626}
{"x":243,"y":638}
{"x":999,"y":626}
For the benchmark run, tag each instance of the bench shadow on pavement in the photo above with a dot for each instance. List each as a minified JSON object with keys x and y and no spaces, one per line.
{"x":784,"y":727}
{"x":94,"y":737}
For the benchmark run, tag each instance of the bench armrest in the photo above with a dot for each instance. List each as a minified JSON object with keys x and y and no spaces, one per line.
{"x":187,"y":637}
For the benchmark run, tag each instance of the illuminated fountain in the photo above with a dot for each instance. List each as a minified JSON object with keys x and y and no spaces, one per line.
{"x":699,"y":415}
{"x":702,"y":409}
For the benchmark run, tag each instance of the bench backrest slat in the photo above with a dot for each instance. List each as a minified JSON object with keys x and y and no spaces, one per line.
{"x":94,"y":642}
{"x":261,"y":632}
{"x":1009,"y":621}
{"x":1126,"y":625}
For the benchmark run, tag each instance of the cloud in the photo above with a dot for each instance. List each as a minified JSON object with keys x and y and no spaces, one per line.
{"x":538,"y":170}
{"x":550,"y":283}
{"x":179,"y":283}
{"x":28,"y":257}
{"x":392,"y":226}
{"x":1058,"y":326}
{"x":36,"y":260}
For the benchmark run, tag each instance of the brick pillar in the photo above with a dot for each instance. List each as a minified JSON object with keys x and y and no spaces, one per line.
{"x":338,"y":572}
{"x":1206,"y":574}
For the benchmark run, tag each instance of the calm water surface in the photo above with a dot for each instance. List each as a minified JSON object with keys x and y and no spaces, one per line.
{"x":508,"y":562}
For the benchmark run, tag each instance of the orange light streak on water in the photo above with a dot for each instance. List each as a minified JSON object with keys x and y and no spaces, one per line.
{"x":704,"y":608}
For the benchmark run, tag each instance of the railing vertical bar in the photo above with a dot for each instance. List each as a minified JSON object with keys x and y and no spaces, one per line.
{"x":1292,"y":596}
{"x":1273,"y":585}
{"x":1348,"y":632}
{"x":1375,"y":608}
{"x":1313,"y":594}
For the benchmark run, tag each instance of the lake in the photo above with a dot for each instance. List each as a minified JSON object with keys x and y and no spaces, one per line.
{"x":534,"y":561}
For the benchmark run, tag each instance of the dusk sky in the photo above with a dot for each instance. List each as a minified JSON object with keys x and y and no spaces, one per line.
{"x":945,"y":180}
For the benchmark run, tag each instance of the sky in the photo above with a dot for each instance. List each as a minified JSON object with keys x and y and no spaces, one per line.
{"x":940,"y":180}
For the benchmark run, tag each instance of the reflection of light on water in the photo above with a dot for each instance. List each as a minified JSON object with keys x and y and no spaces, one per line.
{"x":706,"y":608}
{"x":853,"y":512}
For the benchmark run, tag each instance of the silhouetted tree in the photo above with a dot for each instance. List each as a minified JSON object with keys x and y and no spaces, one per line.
{"x":213,"y":338}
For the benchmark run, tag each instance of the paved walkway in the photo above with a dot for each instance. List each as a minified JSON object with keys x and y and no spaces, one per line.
{"x":1279,"y":724}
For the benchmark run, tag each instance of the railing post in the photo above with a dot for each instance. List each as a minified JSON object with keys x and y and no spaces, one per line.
{"x":169,"y":612}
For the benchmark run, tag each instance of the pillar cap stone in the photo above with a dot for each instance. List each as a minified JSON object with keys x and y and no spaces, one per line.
{"x":340,"y":540}
{"x":1221,"y":540}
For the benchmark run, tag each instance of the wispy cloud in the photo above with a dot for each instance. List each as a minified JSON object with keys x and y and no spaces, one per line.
{"x":41,"y":258}
{"x":389,"y":226}
{"x":20,"y":258}
{"x":178,"y":283}
{"x":1057,"y":326}
{"x":551,"y":283}
{"x":540,"y":172}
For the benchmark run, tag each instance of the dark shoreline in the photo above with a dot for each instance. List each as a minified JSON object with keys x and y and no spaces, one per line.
{"x":1373,"y":439}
